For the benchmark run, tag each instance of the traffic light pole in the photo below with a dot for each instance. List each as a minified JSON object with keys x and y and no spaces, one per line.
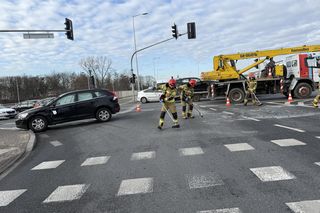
{"x":135,"y":52}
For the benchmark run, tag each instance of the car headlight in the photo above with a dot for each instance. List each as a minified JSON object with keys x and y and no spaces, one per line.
{"x":22,"y":115}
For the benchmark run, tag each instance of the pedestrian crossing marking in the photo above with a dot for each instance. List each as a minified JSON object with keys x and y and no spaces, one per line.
{"x":143,"y":155}
{"x":239,"y":147}
{"x":56,"y":143}
{"x":288,"y":142}
{"x":308,"y":206}
{"x":67,"y":193}
{"x":272,"y":173}
{"x":6,"y":197}
{"x":136,"y":186}
{"x":95,"y":161}
{"x":229,"y":210}
{"x":203,"y":180}
{"x":48,"y":165}
{"x":191,"y":151}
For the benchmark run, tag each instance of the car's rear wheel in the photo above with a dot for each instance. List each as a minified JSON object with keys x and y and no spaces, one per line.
{"x":38,"y":124}
{"x":103,"y":115}
{"x":143,"y":100}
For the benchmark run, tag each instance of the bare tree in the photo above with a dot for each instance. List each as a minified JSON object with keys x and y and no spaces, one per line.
{"x":100,"y":67}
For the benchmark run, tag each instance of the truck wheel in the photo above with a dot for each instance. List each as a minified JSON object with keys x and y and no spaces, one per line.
{"x":196,"y":98}
{"x":236,"y":95}
{"x":302,"y":90}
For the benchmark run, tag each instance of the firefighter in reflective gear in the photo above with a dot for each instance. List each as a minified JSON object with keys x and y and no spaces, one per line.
{"x":252,"y":86}
{"x":169,"y":93}
{"x":186,"y":97}
{"x":316,"y":100}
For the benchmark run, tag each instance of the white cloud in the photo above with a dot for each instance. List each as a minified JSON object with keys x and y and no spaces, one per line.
{"x":105,"y":28}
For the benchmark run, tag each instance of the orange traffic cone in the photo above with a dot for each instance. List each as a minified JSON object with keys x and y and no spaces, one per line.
{"x":269,"y":73}
{"x":138,"y":109}
{"x":290,"y":98}
{"x":228,"y":102}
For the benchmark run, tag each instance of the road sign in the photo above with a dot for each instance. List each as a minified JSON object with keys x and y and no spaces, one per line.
{"x":37,"y":35}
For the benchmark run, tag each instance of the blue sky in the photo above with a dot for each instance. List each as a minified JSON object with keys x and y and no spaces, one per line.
{"x":104,"y":28}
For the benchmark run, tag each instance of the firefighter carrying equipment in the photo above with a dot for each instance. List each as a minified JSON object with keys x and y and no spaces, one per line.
{"x":169,"y":92}
{"x":186,"y":97}
{"x":252,"y":86}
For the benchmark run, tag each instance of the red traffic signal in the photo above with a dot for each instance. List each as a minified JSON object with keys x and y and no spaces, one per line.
{"x":69,"y":29}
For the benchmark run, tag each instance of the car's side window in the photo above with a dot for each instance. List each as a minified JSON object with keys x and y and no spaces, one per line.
{"x":149,"y":90}
{"x":68,"y":99}
{"x":99,"y":94}
{"x":83,"y":96}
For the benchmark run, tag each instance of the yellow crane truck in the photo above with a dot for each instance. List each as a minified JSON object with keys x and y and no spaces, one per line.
{"x":299,"y":75}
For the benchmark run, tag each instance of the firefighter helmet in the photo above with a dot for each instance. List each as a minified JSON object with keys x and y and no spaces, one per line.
{"x":172,"y":82}
{"x":192,"y":82}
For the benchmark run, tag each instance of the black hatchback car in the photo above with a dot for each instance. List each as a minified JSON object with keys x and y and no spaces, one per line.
{"x":71,"y":106}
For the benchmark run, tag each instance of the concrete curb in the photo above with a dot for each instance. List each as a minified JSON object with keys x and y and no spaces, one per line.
{"x":12,"y":164}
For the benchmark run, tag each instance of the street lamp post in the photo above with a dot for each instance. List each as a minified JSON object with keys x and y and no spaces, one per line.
{"x":135,"y":46}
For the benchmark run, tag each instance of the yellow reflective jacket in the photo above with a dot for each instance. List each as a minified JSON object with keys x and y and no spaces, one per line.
{"x":169,"y":93}
{"x":252,"y":85}
{"x":186,"y":91}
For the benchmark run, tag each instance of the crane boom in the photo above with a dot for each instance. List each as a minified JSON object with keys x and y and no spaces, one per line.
{"x":225,"y":69}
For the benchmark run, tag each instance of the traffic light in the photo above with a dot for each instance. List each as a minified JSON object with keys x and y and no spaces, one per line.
{"x":191,"y":30}
{"x":175,"y":33}
{"x":133,"y":79}
{"x":69,"y":29}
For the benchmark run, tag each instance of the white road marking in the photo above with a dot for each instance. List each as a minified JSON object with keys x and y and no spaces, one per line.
{"x":48,"y":165}
{"x":2,"y":151}
{"x":95,"y":161}
{"x":9,"y":128}
{"x":67,"y":193}
{"x":317,"y":163}
{"x":190,"y":151}
{"x":203,"y":180}
{"x":213,"y":109}
{"x":318,"y":137}
{"x":147,"y":110}
{"x":275,"y":103}
{"x":229,"y":210}
{"x":248,"y":118}
{"x":6,"y":197}
{"x":286,"y":127}
{"x":143,"y":155}
{"x":307,"y":206}
{"x":56,"y":143}
{"x":126,"y":111}
{"x":239,"y":147}
{"x":136,"y":186}
{"x":272,"y":173}
{"x":207,"y":106}
{"x":288,"y":142}
{"x":228,"y":113}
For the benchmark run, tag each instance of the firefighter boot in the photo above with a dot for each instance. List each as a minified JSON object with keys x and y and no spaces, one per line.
{"x":161,"y":123}
{"x":184,"y":115}
{"x":190,"y":115}
{"x":315,"y":103}
{"x":245,"y":102}
{"x":176,"y":125}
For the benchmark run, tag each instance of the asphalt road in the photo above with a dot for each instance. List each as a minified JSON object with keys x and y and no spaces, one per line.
{"x":240,"y":159}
